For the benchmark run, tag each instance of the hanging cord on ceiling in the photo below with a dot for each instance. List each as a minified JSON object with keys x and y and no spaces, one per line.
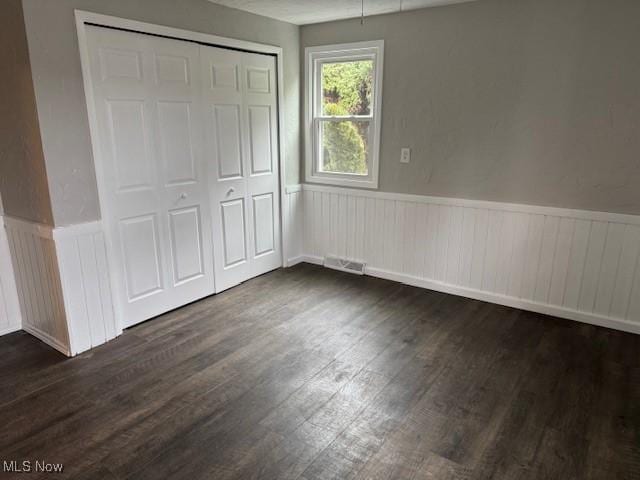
{"x":362,"y":11}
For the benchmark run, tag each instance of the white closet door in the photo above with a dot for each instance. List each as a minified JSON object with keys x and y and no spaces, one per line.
{"x":147,"y":96}
{"x":242,"y":152}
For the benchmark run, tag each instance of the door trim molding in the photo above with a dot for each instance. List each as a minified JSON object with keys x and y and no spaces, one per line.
{"x":84,"y":18}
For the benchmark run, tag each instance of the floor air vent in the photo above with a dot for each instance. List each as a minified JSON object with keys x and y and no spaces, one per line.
{"x":344,"y":265}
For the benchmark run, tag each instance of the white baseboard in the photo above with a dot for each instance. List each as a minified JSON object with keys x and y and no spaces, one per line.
{"x":545,"y":309}
{"x":291,"y":262}
{"x":573,"y":264}
{"x":48,"y":339}
{"x":542,"y":308}
{"x":311,"y":259}
{"x":11,"y":329}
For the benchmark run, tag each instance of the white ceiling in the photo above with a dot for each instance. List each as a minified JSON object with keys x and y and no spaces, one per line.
{"x":302,"y":12}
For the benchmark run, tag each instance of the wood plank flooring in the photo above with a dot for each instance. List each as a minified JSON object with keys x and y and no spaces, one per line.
{"x":309,"y":373}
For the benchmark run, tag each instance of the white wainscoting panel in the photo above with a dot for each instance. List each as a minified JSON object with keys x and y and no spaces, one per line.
{"x":86,"y":285}
{"x":39,"y":289}
{"x":574,"y":264}
{"x":292,"y":216}
{"x":10,"y":317}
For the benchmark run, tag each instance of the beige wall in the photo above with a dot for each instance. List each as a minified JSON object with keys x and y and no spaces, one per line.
{"x":23,"y":179}
{"x":55,"y":60}
{"x":527,"y":101}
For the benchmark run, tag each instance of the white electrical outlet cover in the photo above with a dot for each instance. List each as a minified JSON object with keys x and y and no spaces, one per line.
{"x":405,"y":155}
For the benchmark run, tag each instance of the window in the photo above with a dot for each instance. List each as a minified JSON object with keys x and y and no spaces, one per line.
{"x":344,"y":92}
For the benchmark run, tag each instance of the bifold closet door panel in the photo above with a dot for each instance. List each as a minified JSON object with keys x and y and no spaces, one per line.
{"x":152,"y":169}
{"x":241,"y":142}
{"x":263,"y":179}
{"x":226,"y":151}
{"x":187,"y":166}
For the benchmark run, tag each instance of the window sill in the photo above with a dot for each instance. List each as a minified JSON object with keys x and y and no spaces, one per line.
{"x":368,"y":183}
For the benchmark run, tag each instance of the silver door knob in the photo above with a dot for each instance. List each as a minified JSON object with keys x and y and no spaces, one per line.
{"x":230,"y":191}
{"x":183,"y":196}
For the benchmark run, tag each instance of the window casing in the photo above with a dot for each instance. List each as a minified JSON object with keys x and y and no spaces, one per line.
{"x":343,"y":87}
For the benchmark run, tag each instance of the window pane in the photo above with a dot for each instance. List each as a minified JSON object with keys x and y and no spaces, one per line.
{"x":346,"y":88}
{"x":344,"y":147}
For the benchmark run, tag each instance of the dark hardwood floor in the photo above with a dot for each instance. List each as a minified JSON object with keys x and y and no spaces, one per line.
{"x":313,"y":374}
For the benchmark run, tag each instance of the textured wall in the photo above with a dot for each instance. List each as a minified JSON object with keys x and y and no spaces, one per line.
{"x":23,"y":179}
{"x":526,"y":101}
{"x":59,"y":91}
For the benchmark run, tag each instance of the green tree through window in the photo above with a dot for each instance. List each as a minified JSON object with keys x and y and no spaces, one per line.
{"x":346,"y":91}
{"x":348,"y":84}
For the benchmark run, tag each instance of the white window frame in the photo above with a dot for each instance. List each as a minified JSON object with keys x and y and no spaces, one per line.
{"x":314,"y":57}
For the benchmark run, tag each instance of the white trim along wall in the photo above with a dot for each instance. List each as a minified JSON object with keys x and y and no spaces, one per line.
{"x":574,"y":264}
{"x":293,"y":219}
{"x":10,"y":316}
{"x":86,"y":286}
{"x":61,"y":282}
{"x":33,"y":254}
